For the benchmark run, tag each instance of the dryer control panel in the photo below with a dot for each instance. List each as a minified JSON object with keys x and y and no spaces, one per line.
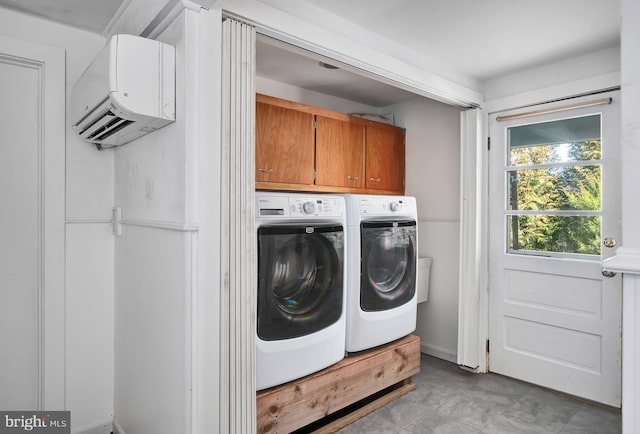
{"x":299,"y":206}
{"x":316,"y":206}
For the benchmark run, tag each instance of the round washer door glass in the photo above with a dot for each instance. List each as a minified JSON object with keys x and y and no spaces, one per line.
{"x":300,"y":279}
{"x":388,"y":266}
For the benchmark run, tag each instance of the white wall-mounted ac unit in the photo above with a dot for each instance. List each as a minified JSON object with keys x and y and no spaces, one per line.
{"x":126,"y":92}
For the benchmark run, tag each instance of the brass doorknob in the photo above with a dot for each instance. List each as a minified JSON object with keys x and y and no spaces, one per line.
{"x":609,"y":242}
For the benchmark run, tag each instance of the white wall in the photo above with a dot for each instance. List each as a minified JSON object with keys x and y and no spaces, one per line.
{"x":630,"y":134}
{"x":152,"y":295}
{"x":433,"y":177}
{"x":630,"y":143}
{"x":166,"y":304}
{"x":600,"y":64}
{"x":282,"y":90}
{"x":150,"y":353}
{"x":89,"y":243}
{"x":570,"y":77}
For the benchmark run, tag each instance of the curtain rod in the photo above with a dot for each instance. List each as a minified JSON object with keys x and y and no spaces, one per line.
{"x":554,"y":110}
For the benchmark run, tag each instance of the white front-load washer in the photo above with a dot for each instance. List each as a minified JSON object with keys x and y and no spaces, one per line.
{"x":301,"y":323}
{"x":381,"y":269}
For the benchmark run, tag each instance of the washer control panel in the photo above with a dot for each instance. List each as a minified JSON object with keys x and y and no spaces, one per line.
{"x":387,"y":206}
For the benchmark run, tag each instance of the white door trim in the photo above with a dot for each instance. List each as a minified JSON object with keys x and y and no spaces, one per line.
{"x":49,"y":62}
{"x":627,"y":261}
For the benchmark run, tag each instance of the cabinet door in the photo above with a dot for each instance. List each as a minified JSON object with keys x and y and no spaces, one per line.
{"x":339,"y":153}
{"x":284,"y":145}
{"x":385,"y":159}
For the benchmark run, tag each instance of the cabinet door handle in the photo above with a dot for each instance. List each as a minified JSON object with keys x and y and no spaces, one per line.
{"x":352,"y":178}
{"x":375,"y":179}
{"x":265,"y":170}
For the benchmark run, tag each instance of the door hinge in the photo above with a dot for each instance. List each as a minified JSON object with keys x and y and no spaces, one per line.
{"x":487,"y":345}
{"x":488,"y":143}
{"x":315,"y":124}
{"x":313,"y":174}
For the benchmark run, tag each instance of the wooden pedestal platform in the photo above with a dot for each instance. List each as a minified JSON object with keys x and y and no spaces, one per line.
{"x":362,"y":375}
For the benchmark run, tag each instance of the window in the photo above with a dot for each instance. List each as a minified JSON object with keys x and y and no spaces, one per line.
{"x":554,"y":172}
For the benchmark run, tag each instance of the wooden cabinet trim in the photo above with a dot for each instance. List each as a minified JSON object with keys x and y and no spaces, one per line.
{"x":320,"y":111}
{"x":280,"y":186}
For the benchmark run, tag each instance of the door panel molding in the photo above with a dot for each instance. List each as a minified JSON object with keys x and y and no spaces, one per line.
{"x":49,"y":62}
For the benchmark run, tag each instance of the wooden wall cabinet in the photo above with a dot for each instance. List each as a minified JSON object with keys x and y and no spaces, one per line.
{"x":340,"y":147}
{"x":285,"y":145}
{"x":305,"y":148}
{"x":385,"y":159}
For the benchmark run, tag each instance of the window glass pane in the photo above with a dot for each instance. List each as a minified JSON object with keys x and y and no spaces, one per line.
{"x":556,"y":188}
{"x":554,"y":153}
{"x":563,"y":131}
{"x":560,"y":234}
{"x":560,"y":182}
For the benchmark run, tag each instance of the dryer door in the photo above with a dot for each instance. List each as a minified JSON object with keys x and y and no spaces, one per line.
{"x":388,"y":264}
{"x":300,"y":279}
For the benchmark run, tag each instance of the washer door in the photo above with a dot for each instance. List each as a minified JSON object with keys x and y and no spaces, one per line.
{"x":300,"y":279}
{"x":388,"y":264}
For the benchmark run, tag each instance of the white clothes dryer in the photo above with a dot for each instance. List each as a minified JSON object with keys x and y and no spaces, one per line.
{"x":381,"y":269}
{"x":301,"y":321}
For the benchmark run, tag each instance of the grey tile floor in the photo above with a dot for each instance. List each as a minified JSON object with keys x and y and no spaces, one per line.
{"x":448,"y":400}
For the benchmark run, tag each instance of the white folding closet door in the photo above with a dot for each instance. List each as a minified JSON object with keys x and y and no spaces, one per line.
{"x":238,"y":307}
{"x":473,"y":270}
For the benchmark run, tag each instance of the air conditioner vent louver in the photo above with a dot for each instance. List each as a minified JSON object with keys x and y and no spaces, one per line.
{"x":107,"y":121}
{"x":104,"y":126}
{"x":126,"y":92}
{"x":113,"y":127}
{"x":91,"y":118}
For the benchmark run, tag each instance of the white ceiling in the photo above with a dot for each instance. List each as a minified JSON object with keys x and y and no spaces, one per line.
{"x":282,"y":62}
{"x":91,"y":15}
{"x":467,"y":41}
{"x":482,"y":39}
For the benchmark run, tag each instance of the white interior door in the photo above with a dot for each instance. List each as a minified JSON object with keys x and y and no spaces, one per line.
{"x":32,"y":332}
{"x":554,"y":209}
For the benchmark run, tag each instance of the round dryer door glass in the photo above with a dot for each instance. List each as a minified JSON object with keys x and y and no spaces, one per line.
{"x":387,"y":265}
{"x":388,"y":272}
{"x":300,"y":279}
{"x":300,"y":275}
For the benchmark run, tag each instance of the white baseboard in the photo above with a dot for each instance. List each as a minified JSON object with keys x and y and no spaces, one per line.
{"x":438,"y":352}
{"x":117,"y":429}
{"x":104,"y":426}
